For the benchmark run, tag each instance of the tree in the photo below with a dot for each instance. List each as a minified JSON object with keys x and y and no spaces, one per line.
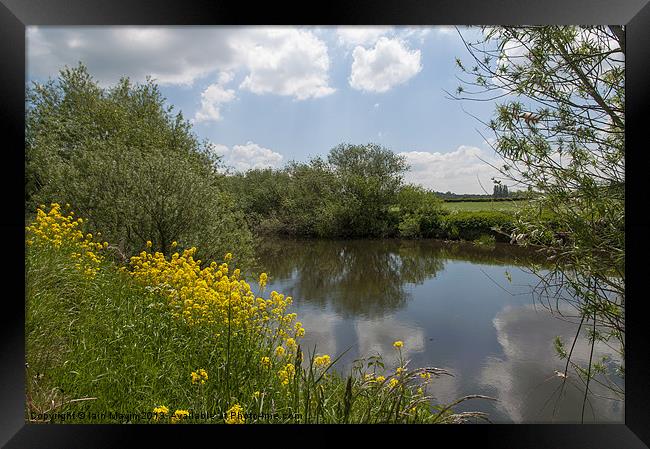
{"x":370,"y":177}
{"x":122,"y":159}
{"x":559,"y":128}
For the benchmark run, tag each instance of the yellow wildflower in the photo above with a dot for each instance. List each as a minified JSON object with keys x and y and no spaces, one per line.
{"x":179,"y":415}
{"x":398,"y":344}
{"x":393,"y":382}
{"x":322,"y":361}
{"x":235,"y":415}
{"x":286,"y":374}
{"x":200,"y":376}
{"x":279,"y":351}
{"x":159,"y":412}
{"x":263,"y":279}
{"x":266,"y":362}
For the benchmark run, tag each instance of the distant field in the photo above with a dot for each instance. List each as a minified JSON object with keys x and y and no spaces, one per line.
{"x":484,"y":205}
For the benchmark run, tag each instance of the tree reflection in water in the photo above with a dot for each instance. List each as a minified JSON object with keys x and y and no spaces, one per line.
{"x":367,"y":278}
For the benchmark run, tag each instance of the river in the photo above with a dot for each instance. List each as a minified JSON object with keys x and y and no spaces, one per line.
{"x":465,"y":308}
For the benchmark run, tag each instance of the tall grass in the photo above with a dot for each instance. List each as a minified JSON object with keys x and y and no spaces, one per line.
{"x":174,"y":340}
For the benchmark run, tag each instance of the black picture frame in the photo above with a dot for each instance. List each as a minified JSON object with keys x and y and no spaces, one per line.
{"x":15,"y":15}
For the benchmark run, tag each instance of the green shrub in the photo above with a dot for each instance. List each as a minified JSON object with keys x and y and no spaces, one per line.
{"x":133,"y":168}
{"x":468,"y":225}
{"x":409,"y":227}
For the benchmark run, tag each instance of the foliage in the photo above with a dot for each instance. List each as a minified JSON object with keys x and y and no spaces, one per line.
{"x":485,"y":240}
{"x":560,"y":131}
{"x":370,"y":178}
{"x":357,"y":191}
{"x":420,"y":212}
{"x":500,"y":191}
{"x":123,"y":159}
{"x":471,"y":225}
{"x":166,"y":341}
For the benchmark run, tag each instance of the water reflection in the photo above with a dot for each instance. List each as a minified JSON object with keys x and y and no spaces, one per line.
{"x":454,"y":308}
{"x":524,"y":377}
{"x":367,"y":277}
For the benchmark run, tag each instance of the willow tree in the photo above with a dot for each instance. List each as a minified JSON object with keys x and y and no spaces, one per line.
{"x":559,"y":129}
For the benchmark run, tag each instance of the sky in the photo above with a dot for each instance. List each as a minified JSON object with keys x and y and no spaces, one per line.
{"x":265,"y":96}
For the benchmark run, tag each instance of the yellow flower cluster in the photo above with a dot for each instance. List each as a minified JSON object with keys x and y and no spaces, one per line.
{"x":286,"y":374}
{"x":263,"y":280}
{"x":322,"y":361}
{"x":210,"y":296}
{"x":200,"y":376}
{"x":235,"y":415}
{"x":61,"y":231}
{"x":179,"y":415}
{"x":159,"y":412}
{"x":398,"y":344}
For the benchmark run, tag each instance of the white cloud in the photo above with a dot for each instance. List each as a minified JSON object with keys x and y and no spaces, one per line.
{"x":377,"y":336}
{"x":367,"y":36}
{"x":444,"y":30}
{"x":248,"y":156}
{"x":387,"y":64}
{"x":457,"y":171}
{"x":361,"y":35}
{"x":213,"y":97}
{"x":171,"y":55}
{"x":278,"y":60}
{"x":285,"y":61}
{"x":525,"y":374}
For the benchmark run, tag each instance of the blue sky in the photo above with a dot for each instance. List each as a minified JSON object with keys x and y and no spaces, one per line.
{"x":267,"y":95}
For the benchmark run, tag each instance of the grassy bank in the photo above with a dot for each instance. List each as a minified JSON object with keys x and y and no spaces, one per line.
{"x":475,"y":224}
{"x":473,"y":206}
{"x":178,"y":340}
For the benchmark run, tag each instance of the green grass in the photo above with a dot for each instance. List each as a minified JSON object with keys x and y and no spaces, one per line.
{"x":110,"y":348}
{"x":474,"y":206}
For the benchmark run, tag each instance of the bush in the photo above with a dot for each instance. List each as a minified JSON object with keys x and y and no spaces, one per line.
{"x":471,"y":225}
{"x":409,"y":227}
{"x":123,"y":160}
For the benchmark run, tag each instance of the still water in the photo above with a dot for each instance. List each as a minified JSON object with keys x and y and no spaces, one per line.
{"x":468,"y":309}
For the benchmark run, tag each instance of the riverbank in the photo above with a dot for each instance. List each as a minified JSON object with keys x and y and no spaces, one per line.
{"x":176,"y":340}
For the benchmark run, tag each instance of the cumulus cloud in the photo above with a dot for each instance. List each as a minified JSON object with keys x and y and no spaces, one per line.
{"x":285,"y":61}
{"x":213,"y":97}
{"x":278,"y":60}
{"x":170,"y":55}
{"x":361,"y":35}
{"x":457,"y":171}
{"x":389,"y":63}
{"x":524,"y":376}
{"x":378,"y":337}
{"x":248,"y":156}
